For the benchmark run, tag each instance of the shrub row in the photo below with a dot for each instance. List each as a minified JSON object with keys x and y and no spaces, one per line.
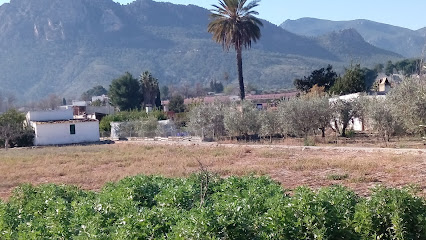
{"x":207,"y":207}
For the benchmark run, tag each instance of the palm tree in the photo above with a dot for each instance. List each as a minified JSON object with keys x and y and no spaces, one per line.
{"x":233,"y":25}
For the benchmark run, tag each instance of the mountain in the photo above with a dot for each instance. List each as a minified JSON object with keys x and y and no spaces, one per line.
{"x":351,"y":46}
{"x":422,"y":31}
{"x":406,"y":42}
{"x":66,"y":47}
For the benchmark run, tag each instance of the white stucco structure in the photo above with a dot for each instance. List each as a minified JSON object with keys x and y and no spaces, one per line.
{"x":59,"y":132}
{"x":356,"y":123}
{"x":58,"y":127}
{"x":42,"y":116}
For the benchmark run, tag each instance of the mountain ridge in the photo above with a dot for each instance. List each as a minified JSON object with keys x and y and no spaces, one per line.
{"x":67,"y":47}
{"x":404,"y":41}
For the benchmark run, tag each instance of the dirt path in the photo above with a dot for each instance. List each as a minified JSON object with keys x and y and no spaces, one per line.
{"x":278,"y":146}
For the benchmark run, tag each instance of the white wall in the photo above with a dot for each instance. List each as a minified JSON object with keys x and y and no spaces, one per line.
{"x":59,"y":133}
{"x":43,"y":116}
{"x":103,"y":109}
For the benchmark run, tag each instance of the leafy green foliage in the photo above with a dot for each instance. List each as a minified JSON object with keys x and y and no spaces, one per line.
{"x":205,"y":206}
{"x":124,"y":93}
{"x":408,"y":102}
{"x":126,"y":116}
{"x":12,"y":130}
{"x":95,"y":91}
{"x":206,"y":120}
{"x":301,"y":116}
{"x":150,"y":89}
{"x":242,"y":120}
{"x":270,"y":124}
{"x":324,"y":77}
{"x":383,"y":119}
{"x":391,"y":214}
{"x":164,"y":92}
{"x":176,"y":104}
{"x":343,"y":112}
{"x":216,"y":86}
{"x":406,"y":67}
{"x":353,"y":81}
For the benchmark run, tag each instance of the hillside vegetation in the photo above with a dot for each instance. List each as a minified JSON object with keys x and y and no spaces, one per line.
{"x":51,"y":46}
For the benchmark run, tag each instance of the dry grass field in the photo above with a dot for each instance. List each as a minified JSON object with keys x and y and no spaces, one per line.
{"x":91,"y":166}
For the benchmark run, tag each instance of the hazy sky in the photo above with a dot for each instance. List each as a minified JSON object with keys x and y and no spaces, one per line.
{"x":409,"y":14}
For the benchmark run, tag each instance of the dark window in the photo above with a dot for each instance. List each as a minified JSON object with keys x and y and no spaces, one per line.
{"x":72,"y":129}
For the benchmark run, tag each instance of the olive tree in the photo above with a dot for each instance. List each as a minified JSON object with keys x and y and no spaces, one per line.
{"x":148,"y":127}
{"x":270,"y":124}
{"x":12,"y":126}
{"x":344,"y":112}
{"x":207,"y":120}
{"x":302,"y":116}
{"x":322,"y":113}
{"x":408,"y":102}
{"x":242,"y":120}
{"x":382,"y":119}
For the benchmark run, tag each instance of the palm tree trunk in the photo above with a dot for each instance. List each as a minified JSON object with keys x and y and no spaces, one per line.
{"x":240,"y":73}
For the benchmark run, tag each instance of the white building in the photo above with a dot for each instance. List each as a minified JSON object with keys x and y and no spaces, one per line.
{"x":102,"y":98}
{"x":59,"y":127}
{"x":355,"y":124}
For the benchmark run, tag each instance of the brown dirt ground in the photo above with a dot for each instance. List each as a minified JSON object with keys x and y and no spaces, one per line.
{"x":90,"y":167}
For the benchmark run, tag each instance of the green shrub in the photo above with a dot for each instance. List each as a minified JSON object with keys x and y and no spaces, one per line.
{"x":309,"y":215}
{"x":391,"y":214}
{"x":205,"y":206}
{"x":26,"y":139}
{"x":123,"y":116}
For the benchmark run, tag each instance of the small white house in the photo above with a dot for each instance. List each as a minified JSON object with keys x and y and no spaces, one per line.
{"x":58,"y":127}
{"x":102,"y":98}
{"x":355,"y":124}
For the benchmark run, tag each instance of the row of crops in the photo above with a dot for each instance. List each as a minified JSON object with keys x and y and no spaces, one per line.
{"x":205,"y":206}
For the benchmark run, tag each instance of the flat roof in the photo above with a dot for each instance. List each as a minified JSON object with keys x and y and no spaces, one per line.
{"x":65,"y":121}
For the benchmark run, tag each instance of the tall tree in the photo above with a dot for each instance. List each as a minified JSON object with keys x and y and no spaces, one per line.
{"x":234,"y":25}
{"x":216,"y":86}
{"x":164,"y":92}
{"x":11,"y":126}
{"x":323,"y":77}
{"x":343,"y":112}
{"x":177,"y":104}
{"x":124,"y":93}
{"x":149,"y":87}
{"x":353,"y":81}
{"x":389,"y":68}
{"x":408,"y":102}
{"x":95,"y":91}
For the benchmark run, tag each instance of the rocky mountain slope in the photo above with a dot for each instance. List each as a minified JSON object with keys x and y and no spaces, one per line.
{"x":406,"y":42}
{"x":66,"y":47}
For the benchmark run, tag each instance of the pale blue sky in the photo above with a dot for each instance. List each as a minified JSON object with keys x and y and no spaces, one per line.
{"x":409,"y":14}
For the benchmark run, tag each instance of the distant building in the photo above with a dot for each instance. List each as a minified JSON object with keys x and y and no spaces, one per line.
{"x":59,"y":127}
{"x":83,"y":109}
{"x":384,"y":85}
{"x":103,"y":98}
{"x":355,"y":124}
